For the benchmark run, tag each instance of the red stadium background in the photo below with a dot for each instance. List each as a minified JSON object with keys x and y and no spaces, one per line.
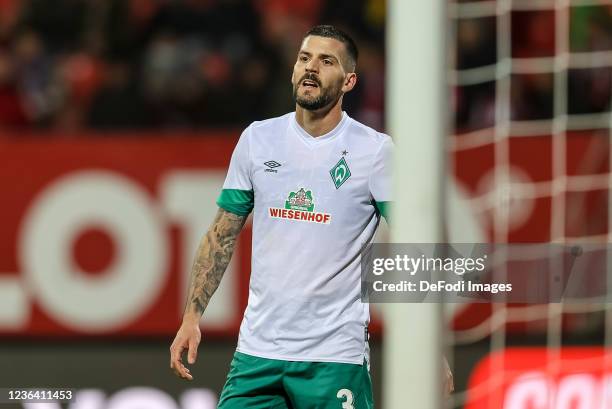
{"x":168,"y":185}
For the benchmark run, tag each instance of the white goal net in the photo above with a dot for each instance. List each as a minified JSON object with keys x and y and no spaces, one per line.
{"x":530,"y":153}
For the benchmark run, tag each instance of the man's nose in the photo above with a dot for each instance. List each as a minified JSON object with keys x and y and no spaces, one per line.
{"x":312,"y":66}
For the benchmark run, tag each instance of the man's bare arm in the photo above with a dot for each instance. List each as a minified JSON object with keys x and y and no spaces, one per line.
{"x":211,"y":260}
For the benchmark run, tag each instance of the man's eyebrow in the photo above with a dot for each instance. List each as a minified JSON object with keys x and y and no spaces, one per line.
{"x":329,"y":56}
{"x":321,"y":56}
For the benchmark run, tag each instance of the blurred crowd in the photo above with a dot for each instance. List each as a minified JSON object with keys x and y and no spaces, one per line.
{"x":124,"y":64}
{"x":533,"y":36}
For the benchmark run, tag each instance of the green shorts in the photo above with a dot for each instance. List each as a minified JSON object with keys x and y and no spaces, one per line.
{"x":260,"y":383}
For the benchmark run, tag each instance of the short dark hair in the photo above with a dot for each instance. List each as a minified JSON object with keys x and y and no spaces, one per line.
{"x":329,"y":31}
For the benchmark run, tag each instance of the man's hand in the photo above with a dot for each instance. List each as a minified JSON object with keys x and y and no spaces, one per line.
{"x":187,"y":338}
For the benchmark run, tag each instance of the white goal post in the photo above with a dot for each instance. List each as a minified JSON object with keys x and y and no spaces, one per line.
{"x":416,"y":119}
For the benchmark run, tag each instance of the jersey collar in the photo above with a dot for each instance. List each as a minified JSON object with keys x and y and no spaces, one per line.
{"x":311,"y":140}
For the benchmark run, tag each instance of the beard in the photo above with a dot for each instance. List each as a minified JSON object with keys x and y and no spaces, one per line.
{"x":327,"y":95}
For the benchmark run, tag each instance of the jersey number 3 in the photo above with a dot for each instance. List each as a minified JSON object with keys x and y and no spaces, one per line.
{"x":346,"y":393}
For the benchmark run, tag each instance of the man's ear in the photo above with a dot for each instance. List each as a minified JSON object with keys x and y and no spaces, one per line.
{"x":349,"y":82}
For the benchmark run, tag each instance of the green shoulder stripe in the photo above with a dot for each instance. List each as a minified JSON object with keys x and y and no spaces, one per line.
{"x":236,"y":201}
{"x":383,"y":208}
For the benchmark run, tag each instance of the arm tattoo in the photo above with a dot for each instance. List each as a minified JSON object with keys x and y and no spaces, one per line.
{"x":212,"y":257}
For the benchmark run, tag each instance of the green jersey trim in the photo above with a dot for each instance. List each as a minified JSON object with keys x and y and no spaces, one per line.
{"x":236,"y":201}
{"x":383,"y":208}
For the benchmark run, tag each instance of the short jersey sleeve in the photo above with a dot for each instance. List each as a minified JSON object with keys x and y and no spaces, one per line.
{"x":237,"y":194}
{"x":380,"y":181}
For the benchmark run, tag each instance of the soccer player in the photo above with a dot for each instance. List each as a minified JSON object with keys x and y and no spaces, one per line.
{"x":317,"y":182}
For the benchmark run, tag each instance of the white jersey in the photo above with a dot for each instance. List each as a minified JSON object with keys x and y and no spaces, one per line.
{"x":316,"y":202}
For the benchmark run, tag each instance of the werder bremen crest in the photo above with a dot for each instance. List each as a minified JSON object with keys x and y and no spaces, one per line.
{"x":340,"y":173}
{"x":300,"y":200}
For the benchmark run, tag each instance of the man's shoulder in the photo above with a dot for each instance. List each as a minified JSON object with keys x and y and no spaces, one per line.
{"x":367,"y":134}
{"x":270,"y":124}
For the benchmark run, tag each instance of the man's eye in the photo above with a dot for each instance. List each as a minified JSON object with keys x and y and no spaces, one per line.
{"x":327,"y":62}
{"x":303,"y":58}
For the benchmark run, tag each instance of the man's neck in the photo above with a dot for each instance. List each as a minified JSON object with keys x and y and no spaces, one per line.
{"x":319,"y":122}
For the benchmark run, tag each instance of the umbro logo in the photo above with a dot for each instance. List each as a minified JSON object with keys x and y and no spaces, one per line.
{"x":272,"y":164}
